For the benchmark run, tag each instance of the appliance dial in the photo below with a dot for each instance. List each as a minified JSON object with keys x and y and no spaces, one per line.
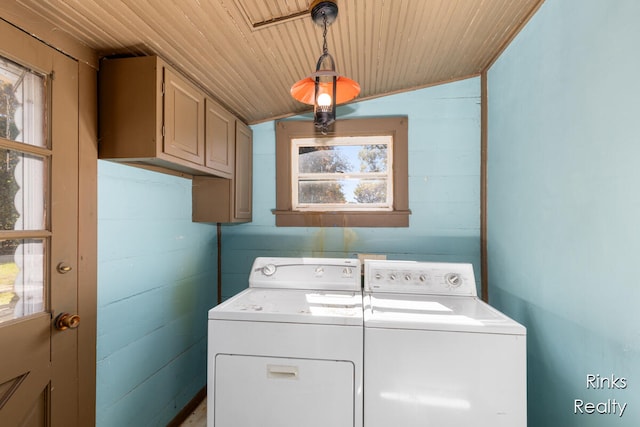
{"x":269,"y":270}
{"x":453,"y":280}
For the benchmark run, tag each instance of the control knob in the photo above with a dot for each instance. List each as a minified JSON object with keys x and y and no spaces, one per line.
{"x":269,"y":270}
{"x":453,"y":280}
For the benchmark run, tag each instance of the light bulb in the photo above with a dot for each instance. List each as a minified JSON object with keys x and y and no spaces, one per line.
{"x":324,"y":100}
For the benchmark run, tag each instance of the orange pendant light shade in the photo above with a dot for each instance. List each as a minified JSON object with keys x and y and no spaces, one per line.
{"x":324,"y":89}
{"x":346,"y":90}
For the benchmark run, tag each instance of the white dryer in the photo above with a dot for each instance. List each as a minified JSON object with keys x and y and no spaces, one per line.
{"x":436,"y":355}
{"x":287,"y":351}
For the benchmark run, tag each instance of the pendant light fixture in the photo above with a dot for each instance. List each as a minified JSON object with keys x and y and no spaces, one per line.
{"x":325,"y":88}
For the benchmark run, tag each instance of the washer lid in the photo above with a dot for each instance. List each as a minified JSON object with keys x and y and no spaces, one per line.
{"x":292,"y":306}
{"x":436,"y":313}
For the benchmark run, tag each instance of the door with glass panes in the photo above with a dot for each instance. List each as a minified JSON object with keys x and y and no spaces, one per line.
{"x":38,"y":233}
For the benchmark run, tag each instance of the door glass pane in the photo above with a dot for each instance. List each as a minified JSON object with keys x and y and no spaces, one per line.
{"x":22,"y":104}
{"x":22,"y":194}
{"x":21,"y":278}
{"x":23,"y":191}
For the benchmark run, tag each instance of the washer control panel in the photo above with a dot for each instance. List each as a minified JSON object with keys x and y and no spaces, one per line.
{"x":306,"y":273}
{"x":415,"y":277}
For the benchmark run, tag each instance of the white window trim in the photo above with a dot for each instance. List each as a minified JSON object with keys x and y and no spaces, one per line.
{"x":286,"y":216}
{"x":296,"y":143}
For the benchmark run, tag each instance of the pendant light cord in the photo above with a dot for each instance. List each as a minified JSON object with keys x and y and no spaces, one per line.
{"x":325,"y":49}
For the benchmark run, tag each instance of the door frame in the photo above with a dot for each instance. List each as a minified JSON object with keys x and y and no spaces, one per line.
{"x":87,"y":240}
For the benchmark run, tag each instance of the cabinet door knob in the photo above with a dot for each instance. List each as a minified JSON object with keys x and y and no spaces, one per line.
{"x":67,"y":321}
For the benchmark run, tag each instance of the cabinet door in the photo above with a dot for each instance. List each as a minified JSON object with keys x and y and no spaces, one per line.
{"x":253,"y":391}
{"x":243,"y":173}
{"x":219,"y":139}
{"x":183,"y":119}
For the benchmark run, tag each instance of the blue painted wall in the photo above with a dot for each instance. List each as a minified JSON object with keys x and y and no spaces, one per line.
{"x":564,"y":207}
{"x":444,"y":190}
{"x":156,"y":280}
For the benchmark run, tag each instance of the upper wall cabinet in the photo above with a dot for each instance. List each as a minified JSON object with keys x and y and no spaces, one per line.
{"x":183,"y":133}
{"x":220,"y":128}
{"x":151,"y":115}
{"x":227,"y":200}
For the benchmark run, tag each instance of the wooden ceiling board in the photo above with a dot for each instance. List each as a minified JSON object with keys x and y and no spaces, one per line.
{"x":225,"y":64}
{"x":248,"y":53}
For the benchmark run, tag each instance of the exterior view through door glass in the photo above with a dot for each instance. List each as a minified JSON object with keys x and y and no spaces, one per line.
{"x":38,"y":232}
{"x":22,"y":192}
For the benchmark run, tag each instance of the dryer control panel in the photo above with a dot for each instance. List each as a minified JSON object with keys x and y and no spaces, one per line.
{"x":413,"y":277}
{"x":306,"y":273}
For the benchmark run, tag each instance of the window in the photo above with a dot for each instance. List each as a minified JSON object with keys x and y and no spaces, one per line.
{"x":343,"y":173}
{"x":356,"y":176}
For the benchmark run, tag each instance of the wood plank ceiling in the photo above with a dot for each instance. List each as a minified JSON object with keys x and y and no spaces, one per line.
{"x":248,"y":53}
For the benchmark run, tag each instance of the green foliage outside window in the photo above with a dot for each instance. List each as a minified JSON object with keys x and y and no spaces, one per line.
{"x":8,"y":161}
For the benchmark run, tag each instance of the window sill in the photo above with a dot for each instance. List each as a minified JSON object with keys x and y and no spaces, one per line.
{"x":341,"y":219}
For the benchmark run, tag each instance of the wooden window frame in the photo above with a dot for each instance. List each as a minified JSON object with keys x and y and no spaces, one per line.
{"x":397,"y":127}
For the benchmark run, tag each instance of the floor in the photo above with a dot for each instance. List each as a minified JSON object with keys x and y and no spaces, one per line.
{"x":198,"y":418}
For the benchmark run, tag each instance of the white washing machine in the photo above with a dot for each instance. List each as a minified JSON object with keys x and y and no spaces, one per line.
{"x":287,"y":351}
{"x":436,"y":355}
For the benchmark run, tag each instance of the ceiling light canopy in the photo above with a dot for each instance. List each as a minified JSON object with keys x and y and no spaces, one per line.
{"x":325,"y":88}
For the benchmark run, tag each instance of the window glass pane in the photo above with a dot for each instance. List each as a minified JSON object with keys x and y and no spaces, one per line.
{"x":22,"y":99}
{"x":321,"y":192}
{"x":343,"y":158}
{"x":370,"y":191}
{"x":350,"y":191}
{"x":22,"y":196}
{"x":21,"y":278}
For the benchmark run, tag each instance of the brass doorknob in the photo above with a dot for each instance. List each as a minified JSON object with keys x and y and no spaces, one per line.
{"x":63,"y":268}
{"x":67,"y":321}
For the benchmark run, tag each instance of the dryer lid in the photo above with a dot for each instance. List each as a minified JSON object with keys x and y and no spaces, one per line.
{"x":292,"y":306}
{"x":436,"y":313}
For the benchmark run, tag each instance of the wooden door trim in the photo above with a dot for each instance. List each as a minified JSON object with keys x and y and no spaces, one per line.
{"x":87,"y":241}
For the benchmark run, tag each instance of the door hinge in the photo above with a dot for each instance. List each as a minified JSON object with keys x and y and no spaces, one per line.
{"x":163,"y":131}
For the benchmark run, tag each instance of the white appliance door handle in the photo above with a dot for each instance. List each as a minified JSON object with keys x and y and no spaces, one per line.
{"x":282,"y":372}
